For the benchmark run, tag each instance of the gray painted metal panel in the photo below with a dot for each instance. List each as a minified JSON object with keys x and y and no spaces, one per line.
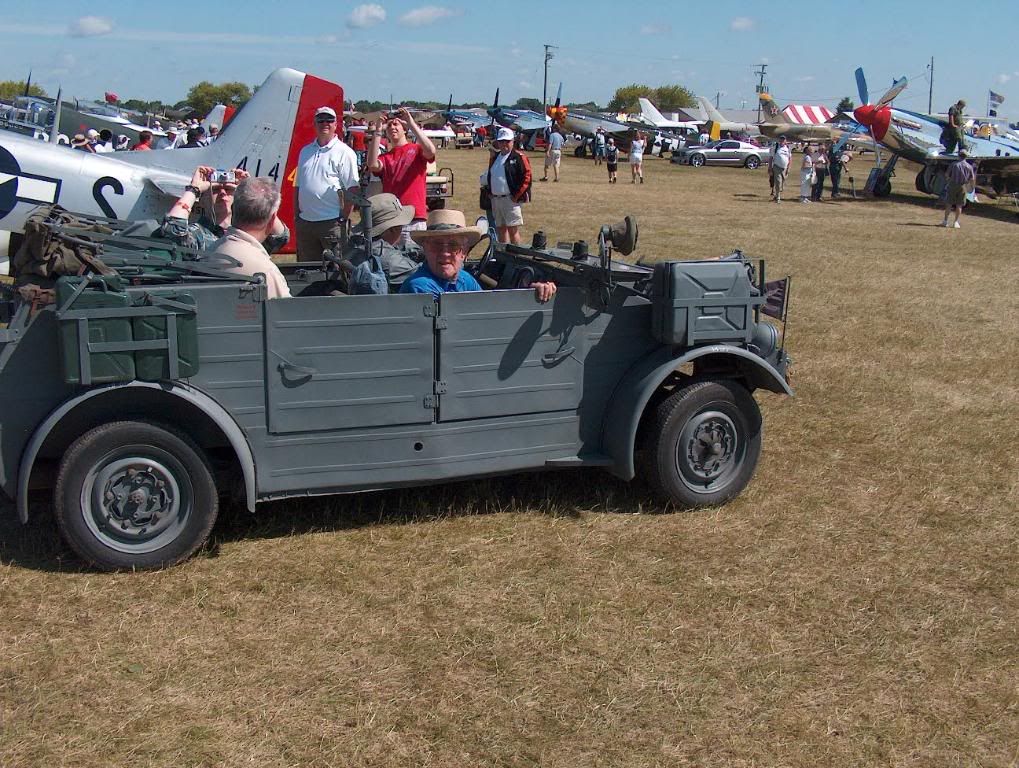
{"x":379,"y":457}
{"x":353,"y":361}
{"x":502,"y":353}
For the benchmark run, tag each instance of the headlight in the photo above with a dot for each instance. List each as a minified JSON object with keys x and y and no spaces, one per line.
{"x":764,"y":340}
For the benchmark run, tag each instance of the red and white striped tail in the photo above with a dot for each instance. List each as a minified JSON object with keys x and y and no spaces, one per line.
{"x":807,"y":114}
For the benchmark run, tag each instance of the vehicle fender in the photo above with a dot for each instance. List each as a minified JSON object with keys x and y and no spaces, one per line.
{"x":631,"y":396}
{"x":210,"y":407}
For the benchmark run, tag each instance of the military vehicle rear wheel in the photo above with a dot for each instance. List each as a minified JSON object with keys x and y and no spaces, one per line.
{"x":135,"y":495}
{"x":697,"y":160}
{"x":704,"y":444}
{"x":753,"y":162}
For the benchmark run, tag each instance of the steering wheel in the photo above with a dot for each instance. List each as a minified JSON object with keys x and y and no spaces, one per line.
{"x":486,"y":259}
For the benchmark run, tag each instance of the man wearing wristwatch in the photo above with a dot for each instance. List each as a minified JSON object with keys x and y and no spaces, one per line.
{"x":214,"y":204}
{"x":326,"y":177}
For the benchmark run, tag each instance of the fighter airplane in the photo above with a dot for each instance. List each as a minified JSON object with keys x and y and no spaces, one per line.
{"x":263,"y":138}
{"x":651,"y":116}
{"x":723,"y":124}
{"x":776,"y":124}
{"x":917,"y":137}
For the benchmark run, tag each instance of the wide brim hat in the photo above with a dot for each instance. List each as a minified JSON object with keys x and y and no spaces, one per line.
{"x":79,"y":140}
{"x":445,"y":222}
{"x":387,"y":212}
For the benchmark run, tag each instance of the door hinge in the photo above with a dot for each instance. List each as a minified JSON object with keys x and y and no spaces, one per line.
{"x":432,"y":400}
{"x":441,"y":324}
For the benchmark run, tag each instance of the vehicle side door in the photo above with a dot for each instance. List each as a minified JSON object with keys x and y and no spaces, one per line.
{"x":349,"y":362}
{"x":502,"y":353}
{"x":727,"y":152}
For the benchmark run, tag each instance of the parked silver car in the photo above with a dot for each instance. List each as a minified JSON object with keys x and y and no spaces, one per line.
{"x":725,"y":152}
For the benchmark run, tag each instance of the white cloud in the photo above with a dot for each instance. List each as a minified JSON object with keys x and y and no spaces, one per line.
{"x":804,"y":79}
{"x":660,"y":28}
{"x":367,"y":15}
{"x":90,"y":26}
{"x":1004,"y":78}
{"x":525,"y":85}
{"x":427,"y":14}
{"x":742,"y":24}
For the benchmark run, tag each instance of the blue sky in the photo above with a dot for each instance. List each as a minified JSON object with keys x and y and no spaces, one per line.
{"x":419,"y":50}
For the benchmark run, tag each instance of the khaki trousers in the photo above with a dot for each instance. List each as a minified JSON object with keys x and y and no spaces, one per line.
{"x":313,"y":237}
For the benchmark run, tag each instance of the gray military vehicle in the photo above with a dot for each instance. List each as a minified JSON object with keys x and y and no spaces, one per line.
{"x":140,"y":396}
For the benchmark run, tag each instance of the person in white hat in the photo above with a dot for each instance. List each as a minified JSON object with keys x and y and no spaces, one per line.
{"x":326,"y":178}
{"x":509,"y":184}
{"x":93,"y":138}
{"x":446,"y":240}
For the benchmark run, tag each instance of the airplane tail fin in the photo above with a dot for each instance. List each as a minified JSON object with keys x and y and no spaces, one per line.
{"x":650,"y":112}
{"x":265,"y":136}
{"x":769,"y":108}
{"x":709,"y":109}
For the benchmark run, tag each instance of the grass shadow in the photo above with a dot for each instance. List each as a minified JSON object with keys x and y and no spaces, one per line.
{"x":38,"y":545}
{"x":989,"y":211}
{"x":554,"y":494}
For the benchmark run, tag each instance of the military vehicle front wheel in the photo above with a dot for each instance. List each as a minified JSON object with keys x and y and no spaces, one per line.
{"x":704,"y":443}
{"x":135,"y":495}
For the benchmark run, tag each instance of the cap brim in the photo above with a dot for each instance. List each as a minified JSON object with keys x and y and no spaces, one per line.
{"x":473,"y":234}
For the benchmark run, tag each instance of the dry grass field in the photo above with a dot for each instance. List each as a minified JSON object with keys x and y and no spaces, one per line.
{"x":858,"y":605}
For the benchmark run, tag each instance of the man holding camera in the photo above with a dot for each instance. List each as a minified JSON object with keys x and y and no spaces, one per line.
{"x":326,"y":176}
{"x":211,"y":192}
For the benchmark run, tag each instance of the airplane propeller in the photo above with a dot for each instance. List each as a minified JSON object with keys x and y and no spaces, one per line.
{"x":557,"y":112}
{"x":877,"y":117}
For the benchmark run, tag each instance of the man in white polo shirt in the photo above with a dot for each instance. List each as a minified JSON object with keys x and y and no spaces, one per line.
{"x":326,"y":170}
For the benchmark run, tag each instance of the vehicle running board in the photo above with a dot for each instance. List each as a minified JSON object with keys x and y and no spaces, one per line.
{"x":596,"y":460}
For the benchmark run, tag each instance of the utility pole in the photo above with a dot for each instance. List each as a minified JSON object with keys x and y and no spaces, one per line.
{"x":762,"y":68}
{"x":544,"y":90}
{"x":930,"y":95}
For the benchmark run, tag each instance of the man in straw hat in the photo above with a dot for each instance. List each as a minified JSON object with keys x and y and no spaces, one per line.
{"x":446,"y":241}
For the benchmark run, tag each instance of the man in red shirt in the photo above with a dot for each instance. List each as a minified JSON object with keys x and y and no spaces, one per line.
{"x":404,"y":167}
{"x":144,"y":142}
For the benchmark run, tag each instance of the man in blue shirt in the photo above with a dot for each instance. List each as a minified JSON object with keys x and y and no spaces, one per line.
{"x":554,"y":152}
{"x":445,"y":243}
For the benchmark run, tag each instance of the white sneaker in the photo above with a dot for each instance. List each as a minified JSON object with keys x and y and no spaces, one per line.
{"x":955,"y":226}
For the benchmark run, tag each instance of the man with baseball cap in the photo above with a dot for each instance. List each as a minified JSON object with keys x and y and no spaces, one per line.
{"x":446,"y":240}
{"x":389,"y":217}
{"x":326,"y":171}
{"x":509,"y":184}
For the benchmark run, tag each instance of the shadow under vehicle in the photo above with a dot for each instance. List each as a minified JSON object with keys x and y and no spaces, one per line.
{"x":139,"y":397}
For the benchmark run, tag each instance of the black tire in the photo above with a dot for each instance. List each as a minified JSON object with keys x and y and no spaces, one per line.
{"x":683,"y":465}
{"x":921,"y":181}
{"x":108,"y":465}
{"x":697,"y":160}
{"x":753,"y":162}
{"x":883,"y":188}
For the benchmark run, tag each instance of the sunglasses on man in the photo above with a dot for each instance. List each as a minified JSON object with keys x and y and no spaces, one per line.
{"x":325,"y":119}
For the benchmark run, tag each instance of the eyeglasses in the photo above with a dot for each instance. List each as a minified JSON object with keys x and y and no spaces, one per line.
{"x":442,"y":246}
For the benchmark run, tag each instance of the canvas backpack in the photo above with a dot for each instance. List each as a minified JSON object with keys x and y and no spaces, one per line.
{"x":46,"y":254}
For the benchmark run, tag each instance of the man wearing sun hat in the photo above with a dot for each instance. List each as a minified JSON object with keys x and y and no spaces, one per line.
{"x":509,"y":184}
{"x":389,"y":217}
{"x":326,"y":174}
{"x":446,"y":241}
{"x":80,"y":142}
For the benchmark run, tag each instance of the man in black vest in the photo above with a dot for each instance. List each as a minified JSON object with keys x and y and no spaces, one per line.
{"x":509,"y":184}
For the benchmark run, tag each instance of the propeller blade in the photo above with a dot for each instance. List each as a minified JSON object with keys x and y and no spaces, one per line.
{"x":559,"y":95}
{"x":496,"y":104}
{"x":861,"y":86}
{"x":897,"y":87}
{"x":449,"y":109}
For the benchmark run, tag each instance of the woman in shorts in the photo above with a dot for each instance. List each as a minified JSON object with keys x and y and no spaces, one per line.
{"x":637,"y":159}
{"x":611,"y":159}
